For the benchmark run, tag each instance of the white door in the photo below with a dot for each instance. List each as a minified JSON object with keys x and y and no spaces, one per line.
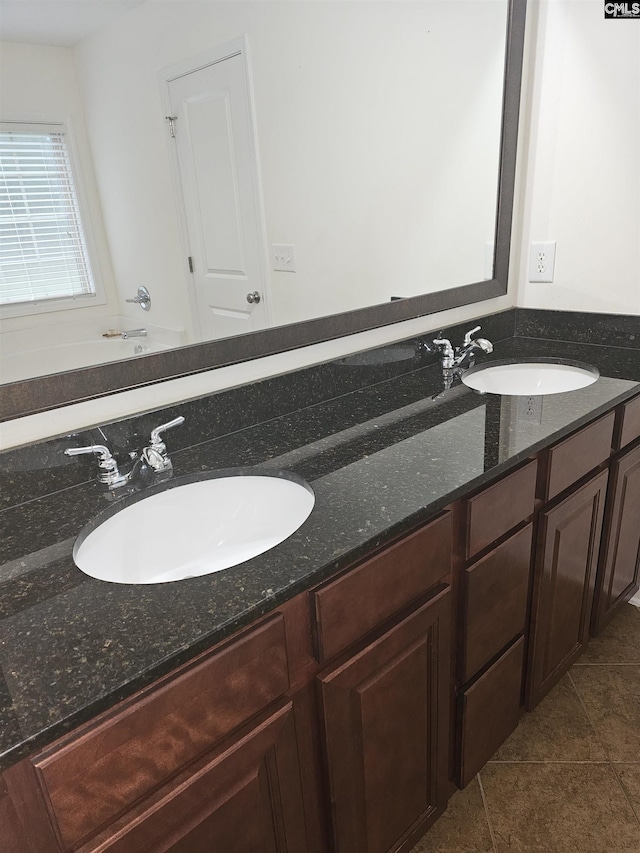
{"x":213,"y":128}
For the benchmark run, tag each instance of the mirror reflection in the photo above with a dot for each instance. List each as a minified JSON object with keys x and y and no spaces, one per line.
{"x":255,"y":164}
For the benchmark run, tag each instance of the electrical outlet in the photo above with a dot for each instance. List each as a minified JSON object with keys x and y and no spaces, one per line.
{"x":542,"y":261}
{"x":283,"y":257}
{"x":530,"y":409}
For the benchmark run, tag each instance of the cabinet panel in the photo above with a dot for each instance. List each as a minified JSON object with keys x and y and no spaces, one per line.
{"x":489,"y":711}
{"x":573,"y":458}
{"x":93,"y":777}
{"x":495,"y":595}
{"x":629,"y":422}
{"x":360,"y":600}
{"x":619,"y":568}
{"x":386,"y":717}
{"x":246,"y":800}
{"x":568,"y":545}
{"x":500,"y":507}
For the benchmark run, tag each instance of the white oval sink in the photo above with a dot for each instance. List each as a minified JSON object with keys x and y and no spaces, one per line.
{"x":530,"y":378}
{"x":193,"y":528}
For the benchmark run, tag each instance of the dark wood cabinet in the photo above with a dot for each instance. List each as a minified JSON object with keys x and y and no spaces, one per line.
{"x":495,"y":593}
{"x":92,"y":777}
{"x":619,"y":568}
{"x":386,"y":722}
{"x":246,"y":799}
{"x":568,"y":543}
{"x":488,"y":711}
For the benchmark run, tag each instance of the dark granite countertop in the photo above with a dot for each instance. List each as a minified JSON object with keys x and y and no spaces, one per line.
{"x":381,"y":460}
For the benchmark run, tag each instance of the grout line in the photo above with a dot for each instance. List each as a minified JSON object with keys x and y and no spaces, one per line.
{"x":589,"y":720}
{"x":625,"y":794}
{"x":494,"y":841}
{"x":620,"y":663}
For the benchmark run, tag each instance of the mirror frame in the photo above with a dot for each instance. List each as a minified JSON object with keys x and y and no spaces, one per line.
{"x":40,"y":394}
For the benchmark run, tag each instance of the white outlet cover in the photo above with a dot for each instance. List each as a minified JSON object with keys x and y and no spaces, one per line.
{"x":542,"y":261}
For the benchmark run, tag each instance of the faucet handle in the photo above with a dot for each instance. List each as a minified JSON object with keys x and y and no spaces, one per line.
{"x":155,"y":455}
{"x":155,"y":434}
{"x":108,"y":471}
{"x":469,"y":336}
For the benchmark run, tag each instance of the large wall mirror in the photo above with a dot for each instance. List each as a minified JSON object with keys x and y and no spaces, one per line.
{"x":349,"y":162}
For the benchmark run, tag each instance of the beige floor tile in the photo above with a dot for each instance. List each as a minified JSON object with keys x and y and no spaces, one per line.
{"x":557,"y":730}
{"x":629,"y":775}
{"x":463,"y":828}
{"x":611,"y":696}
{"x":559,"y":808}
{"x":619,"y":642}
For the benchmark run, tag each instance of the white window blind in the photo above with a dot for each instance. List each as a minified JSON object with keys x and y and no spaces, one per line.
{"x":43,"y":254}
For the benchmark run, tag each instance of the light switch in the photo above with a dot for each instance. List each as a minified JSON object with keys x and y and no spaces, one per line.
{"x":283,"y":257}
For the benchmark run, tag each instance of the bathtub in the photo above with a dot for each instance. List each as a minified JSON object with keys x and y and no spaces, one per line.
{"x":24,"y":364}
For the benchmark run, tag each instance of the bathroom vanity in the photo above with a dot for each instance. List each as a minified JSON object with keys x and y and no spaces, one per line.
{"x":331,"y":693}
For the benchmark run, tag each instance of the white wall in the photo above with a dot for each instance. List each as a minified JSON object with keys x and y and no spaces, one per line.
{"x":583,"y":159}
{"x":39,"y":84}
{"x":354,"y":171}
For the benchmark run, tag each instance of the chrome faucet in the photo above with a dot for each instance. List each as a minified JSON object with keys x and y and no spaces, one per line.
{"x":453,"y":358}
{"x":134,"y":333}
{"x":153,"y":460}
{"x":108,"y":470}
{"x":470,"y":345}
{"x":155,"y":454}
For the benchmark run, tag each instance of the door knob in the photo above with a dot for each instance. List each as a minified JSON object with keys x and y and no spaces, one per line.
{"x":253,"y":298}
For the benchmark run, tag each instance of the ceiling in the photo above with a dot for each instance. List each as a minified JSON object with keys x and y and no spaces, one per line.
{"x":58,"y":22}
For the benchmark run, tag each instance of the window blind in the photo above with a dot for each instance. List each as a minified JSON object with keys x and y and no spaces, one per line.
{"x":43,"y":254}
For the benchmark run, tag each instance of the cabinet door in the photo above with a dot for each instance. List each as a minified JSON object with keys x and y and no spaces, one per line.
{"x":619,"y":568}
{"x":386,"y":717}
{"x":566,"y":558}
{"x":245,"y":800}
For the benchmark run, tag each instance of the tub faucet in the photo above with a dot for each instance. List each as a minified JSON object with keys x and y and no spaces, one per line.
{"x":134,"y":333}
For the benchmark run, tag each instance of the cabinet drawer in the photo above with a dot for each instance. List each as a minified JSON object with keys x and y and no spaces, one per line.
{"x":247,"y":797}
{"x":499,"y":508}
{"x":629,"y":422}
{"x":571,"y":459}
{"x":351,"y":606}
{"x":92,"y":777}
{"x":495,"y":597}
{"x":489,"y":711}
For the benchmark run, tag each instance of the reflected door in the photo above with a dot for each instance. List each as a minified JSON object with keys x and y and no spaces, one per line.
{"x":214,"y":135}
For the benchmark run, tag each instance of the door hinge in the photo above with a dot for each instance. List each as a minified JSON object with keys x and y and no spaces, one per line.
{"x":172,"y":129}
{"x":190,"y":264}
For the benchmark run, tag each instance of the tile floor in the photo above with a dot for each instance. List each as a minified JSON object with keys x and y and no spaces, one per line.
{"x":568,"y":779}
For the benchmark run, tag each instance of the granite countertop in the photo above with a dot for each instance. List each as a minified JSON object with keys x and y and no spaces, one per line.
{"x":381,"y":460}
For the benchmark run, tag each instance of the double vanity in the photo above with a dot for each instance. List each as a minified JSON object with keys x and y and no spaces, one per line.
{"x":452,"y":551}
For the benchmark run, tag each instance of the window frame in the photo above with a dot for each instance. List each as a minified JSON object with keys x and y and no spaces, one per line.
{"x":67,"y":303}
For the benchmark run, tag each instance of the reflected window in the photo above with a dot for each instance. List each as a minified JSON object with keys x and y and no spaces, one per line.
{"x":43,"y":250}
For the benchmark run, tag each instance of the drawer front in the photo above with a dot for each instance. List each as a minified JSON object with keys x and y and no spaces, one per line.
{"x":351,"y":606}
{"x":247,"y":798}
{"x":97,"y":775}
{"x":497,"y":509}
{"x":489,"y":711}
{"x":495,"y":596}
{"x":630,"y":422}
{"x":571,"y":459}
